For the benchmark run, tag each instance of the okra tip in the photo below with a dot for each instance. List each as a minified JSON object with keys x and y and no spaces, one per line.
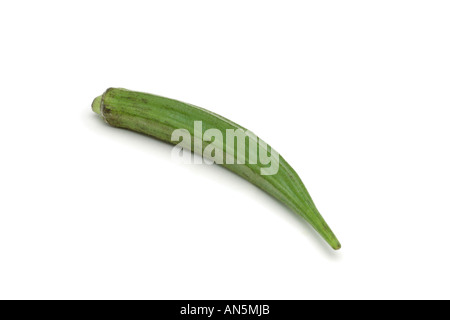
{"x":331,"y":239}
{"x":336,"y":245}
{"x":96,"y":104}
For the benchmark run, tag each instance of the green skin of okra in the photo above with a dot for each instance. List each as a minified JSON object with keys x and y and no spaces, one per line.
{"x":158,"y":117}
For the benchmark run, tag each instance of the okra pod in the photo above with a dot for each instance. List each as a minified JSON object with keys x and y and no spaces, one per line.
{"x":169,"y":120}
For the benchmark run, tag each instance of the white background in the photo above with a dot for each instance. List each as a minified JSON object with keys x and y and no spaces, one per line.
{"x":354,"y":94}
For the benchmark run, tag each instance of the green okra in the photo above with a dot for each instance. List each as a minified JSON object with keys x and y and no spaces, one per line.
{"x":160,"y":117}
